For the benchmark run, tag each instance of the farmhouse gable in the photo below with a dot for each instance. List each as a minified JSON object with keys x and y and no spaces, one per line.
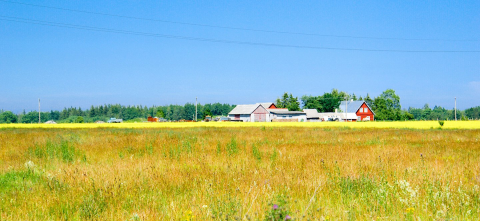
{"x":360,"y":108}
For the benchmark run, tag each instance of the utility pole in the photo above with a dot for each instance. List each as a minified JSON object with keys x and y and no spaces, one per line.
{"x":39,"y":119}
{"x":455,"y":108}
{"x":346,"y":108}
{"x":196,"y":115}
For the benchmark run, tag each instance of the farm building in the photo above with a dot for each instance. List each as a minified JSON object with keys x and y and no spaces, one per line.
{"x":312,"y":114}
{"x":269,"y":105}
{"x":250,"y":113}
{"x":280,"y":115}
{"x":335,"y":116}
{"x":356,"y":111}
{"x":115,"y":120}
{"x":351,"y":111}
{"x":152,"y":119}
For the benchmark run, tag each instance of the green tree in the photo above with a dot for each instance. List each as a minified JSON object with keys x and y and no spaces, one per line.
{"x":330,"y":102}
{"x":380,"y":109}
{"x":30,"y":117}
{"x":160,"y":113}
{"x":416,"y":112}
{"x":368,"y":100}
{"x":282,"y":102}
{"x":339,"y":94}
{"x":327,"y":102}
{"x":178,"y":112}
{"x":311,"y":102}
{"x":387,"y":106}
{"x":293,"y":104}
{"x":189,"y":111}
{"x":354,"y":97}
{"x":92,"y":112}
{"x":392,"y":100}
{"x":207,"y":112}
{"x":54,"y":115}
{"x":473,"y":112}
{"x":438,"y":113}
{"x":79,"y":119}
{"x":406,"y":116}
{"x":289,"y":102}
{"x":426,"y":112}
{"x":8,"y":117}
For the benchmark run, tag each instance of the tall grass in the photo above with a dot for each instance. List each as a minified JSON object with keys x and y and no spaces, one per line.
{"x":239,"y":173}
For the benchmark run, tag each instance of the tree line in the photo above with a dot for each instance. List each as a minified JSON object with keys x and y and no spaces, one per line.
{"x":105,"y":112}
{"x":386,"y":106}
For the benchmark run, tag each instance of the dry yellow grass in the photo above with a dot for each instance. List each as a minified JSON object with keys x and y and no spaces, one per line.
{"x":210,"y":173}
{"x":375,"y":124}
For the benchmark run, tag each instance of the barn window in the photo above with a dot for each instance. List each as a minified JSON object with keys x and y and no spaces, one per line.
{"x":366,"y":110}
{"x":361,"y":110}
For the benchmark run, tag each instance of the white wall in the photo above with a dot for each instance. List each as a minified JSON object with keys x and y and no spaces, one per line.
{"x":289,"y":116}
{"x":246,"y":117}
{"x":243,"y":117}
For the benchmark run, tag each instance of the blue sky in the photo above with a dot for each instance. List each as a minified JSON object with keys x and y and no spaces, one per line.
{"x":75,"y":67}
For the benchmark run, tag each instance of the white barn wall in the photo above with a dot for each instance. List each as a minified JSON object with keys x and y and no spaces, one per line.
{"x":290,"y":116}
{"x":246,"y":117}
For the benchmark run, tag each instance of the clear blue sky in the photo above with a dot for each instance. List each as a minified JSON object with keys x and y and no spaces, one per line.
{"x":76,"y":67}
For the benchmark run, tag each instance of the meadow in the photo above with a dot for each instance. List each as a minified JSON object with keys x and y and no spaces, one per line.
{"x":222,"y":171}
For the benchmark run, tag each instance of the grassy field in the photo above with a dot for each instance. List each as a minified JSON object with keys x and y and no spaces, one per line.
{"x":376,"y":124}
{"x":222,"y":171}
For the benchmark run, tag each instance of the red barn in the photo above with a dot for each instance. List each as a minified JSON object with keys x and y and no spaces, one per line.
{"x":362,"y":111}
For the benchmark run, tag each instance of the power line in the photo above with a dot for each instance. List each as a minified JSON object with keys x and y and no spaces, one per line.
{"x":238,"y":28}
{"x":212,"y":40}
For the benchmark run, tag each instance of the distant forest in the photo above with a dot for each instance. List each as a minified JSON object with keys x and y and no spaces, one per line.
{"x":105,"y":112}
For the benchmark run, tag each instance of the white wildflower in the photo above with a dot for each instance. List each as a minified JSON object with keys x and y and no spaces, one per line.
{"x":30,"y":165}
{"x":135,"y":216}
{"x":49,"y":176}
{"x":407,"y":194}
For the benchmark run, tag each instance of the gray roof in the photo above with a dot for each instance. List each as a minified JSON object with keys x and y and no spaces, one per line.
{"x":245,"y":108}
{"x":311,"y":113}
{"x":352,"y":106}
{"x":266,"y":104}
{"x":278,"y":109}
{"x":286,"y":112}
{"x":249,"y":108}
